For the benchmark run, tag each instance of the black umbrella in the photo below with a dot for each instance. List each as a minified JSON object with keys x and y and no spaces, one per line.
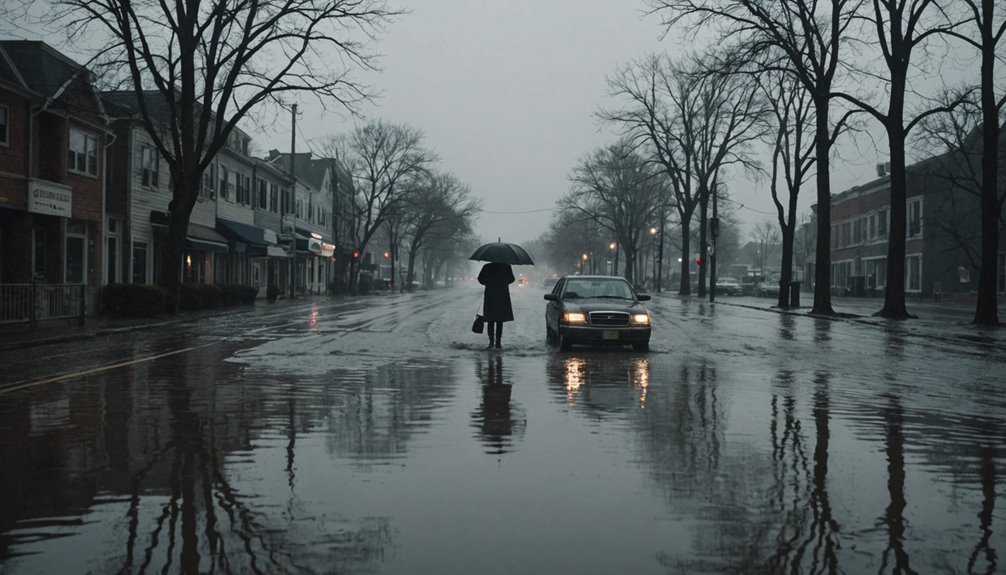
{"x":502,"y":253}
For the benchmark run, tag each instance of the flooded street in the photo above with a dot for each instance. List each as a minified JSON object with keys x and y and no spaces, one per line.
{"x":377,"y":435}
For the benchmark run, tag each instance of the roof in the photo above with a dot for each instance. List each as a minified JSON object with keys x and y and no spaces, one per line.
{"x":43,"y":69}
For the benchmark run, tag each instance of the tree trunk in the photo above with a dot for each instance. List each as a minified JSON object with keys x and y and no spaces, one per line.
{"x":894,"y":291}
{"x":822,"y":263}
{"x":987,"y":307}
{"x":685,"y":284}
{"x":703,"y":247}
{"x":179,"y":211}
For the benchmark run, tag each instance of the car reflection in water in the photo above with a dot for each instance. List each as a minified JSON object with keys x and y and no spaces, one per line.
{"x":498,"y":421}
{"x":592,"y":379}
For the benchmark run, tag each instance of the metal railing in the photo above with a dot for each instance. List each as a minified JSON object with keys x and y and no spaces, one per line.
{"x":35,"y":302}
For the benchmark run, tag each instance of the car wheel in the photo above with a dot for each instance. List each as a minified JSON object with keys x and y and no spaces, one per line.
{"x":564,"y":343}
{"x":641,"y":346}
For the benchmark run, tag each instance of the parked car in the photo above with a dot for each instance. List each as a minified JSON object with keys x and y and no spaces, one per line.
{"x":768,"y":287}
{"x":596,"y":310}
{"x":728,"y":286}
{"x":749,"y":284}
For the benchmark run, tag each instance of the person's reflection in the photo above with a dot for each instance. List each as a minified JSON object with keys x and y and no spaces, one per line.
{"x":494,"y":419}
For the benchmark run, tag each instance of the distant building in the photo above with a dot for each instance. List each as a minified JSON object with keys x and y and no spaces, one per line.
{"x":943,"y":236}
{"x":53,"y":139}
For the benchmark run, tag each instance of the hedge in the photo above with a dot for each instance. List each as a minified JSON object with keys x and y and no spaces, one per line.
{"x":141,"y":300}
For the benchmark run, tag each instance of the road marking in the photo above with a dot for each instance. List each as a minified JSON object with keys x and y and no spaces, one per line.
{"x":92,"y":371}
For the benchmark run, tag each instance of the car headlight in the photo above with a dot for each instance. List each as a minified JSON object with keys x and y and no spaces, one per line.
{"x":640,"y":319}
{"x":574,"y":317}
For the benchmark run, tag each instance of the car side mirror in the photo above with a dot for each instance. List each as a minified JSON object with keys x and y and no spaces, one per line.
{"x":551,"y":297}
{"x":643,"y":297}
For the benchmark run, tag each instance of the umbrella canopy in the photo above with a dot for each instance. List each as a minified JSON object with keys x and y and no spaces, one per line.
{"x":502,"y":253}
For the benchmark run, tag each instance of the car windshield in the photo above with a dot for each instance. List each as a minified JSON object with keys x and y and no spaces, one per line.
{"x":584,"y":288}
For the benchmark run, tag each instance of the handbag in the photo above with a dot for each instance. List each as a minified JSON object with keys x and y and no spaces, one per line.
{"x":479,"y":325}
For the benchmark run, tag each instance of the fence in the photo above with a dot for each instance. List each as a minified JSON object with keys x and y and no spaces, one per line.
{"x":35,"y":302}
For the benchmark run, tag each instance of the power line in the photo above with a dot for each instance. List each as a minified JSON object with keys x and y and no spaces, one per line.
{"x":518,"y":212}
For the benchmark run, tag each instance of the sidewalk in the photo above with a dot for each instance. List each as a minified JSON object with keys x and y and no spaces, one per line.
{"x":940,"y":320}
{"x":22,"y":336}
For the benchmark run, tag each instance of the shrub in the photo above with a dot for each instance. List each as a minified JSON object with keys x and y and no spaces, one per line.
{"x":195,"y":297}
{"x":133,"y":300}
{"x":238,"y":295}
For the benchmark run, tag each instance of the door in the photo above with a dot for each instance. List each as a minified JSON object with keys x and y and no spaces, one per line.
{"x":76,"y":259}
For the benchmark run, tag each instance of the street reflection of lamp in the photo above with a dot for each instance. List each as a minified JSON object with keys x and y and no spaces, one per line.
{"x":574,"y":370}
{"x":641,"y":378}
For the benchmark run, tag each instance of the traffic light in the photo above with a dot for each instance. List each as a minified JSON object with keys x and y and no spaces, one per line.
{"x":356,"y":254}
{"x":387,"y":255}
{"x":698,"y":261}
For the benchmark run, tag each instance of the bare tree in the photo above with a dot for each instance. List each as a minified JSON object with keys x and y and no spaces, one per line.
{"x":440,"y":204}
{"x":198,"y":69}
{"x":988,"y":41}
{"x":615,"y":187}
{"x":808,"y":36}
{"x":902,"y":27}
{"x":384,"y":160}
{"x":793,"y":159}
{"x":766,"y":234}
{"x":695,"y":123}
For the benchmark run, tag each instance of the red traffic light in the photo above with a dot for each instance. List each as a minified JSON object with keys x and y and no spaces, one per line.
{"x":698,"y":261}
{"x":356,"y":254}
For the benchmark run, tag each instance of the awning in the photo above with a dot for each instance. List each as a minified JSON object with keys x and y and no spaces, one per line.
{"x":197,"y":237}
{"x":247,"y":233}
{"x":267,"y":252}
{"x":205,"y":238}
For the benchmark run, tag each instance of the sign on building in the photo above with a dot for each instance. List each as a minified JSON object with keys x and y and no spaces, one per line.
{"x":49,"y":198}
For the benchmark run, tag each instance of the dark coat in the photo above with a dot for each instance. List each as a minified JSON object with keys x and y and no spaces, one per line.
{"x":496,"y":304}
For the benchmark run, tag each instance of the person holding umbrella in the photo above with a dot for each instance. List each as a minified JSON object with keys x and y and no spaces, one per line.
{"x":497,"y":275}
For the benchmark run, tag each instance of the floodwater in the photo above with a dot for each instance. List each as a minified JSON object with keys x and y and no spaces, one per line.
{"x":383,"y":438}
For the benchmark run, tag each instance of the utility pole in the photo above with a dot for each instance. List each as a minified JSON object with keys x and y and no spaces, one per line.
{"x":293,"y":201}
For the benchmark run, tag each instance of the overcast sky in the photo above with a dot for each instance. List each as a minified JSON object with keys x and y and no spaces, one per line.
{"x":506,"y":94}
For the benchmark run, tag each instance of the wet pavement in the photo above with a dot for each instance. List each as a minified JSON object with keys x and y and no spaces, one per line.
{"x":377,"y":435}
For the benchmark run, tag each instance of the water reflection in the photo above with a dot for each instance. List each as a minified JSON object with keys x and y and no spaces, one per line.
{"x":589,"y":378}
{"x":498,"y":421}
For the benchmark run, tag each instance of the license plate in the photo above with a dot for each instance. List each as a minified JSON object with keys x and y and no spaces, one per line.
{"x":609,"y":335}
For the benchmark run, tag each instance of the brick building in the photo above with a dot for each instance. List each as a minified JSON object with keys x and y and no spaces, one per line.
{"x":53,"y":137}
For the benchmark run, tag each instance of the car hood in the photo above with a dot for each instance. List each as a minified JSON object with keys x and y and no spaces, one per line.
{"x":603,"y":304}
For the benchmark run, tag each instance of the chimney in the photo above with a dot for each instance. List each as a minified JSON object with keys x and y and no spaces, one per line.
{"x":273,"y":154}
{"x":882,"y":170}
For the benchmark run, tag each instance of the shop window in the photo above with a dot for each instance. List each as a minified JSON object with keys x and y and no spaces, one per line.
{"x":913,"y":273}
{"x":82,"y":153}
{"x":139,"y":263}
{"x":38,"y":253}
{"x":76,"y":259}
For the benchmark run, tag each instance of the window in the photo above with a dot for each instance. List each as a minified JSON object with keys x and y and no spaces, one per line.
{"x":209,"y":178}
{"x":913,"y":273}
{"x":224,"y":192}
{"x":263,"y":196}
{"x":273,"y":198}
{"x":4,"y":125}
{"x":75,"y":259}
{"x":857,"y":231}
{"x":876,"y":273}
{"x":140,"y":263}
{"x":148,"y":164}
{"x":915,"y":218}
{"x":300,"y":209}
{"x":82,"y":153}
{"x":248,"y":190}
{"x":882,"y":224}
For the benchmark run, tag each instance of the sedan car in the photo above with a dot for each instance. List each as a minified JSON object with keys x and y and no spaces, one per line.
{"x":596,"y":310}
{"x":768,"y":287}
{"x":728,"y":286}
